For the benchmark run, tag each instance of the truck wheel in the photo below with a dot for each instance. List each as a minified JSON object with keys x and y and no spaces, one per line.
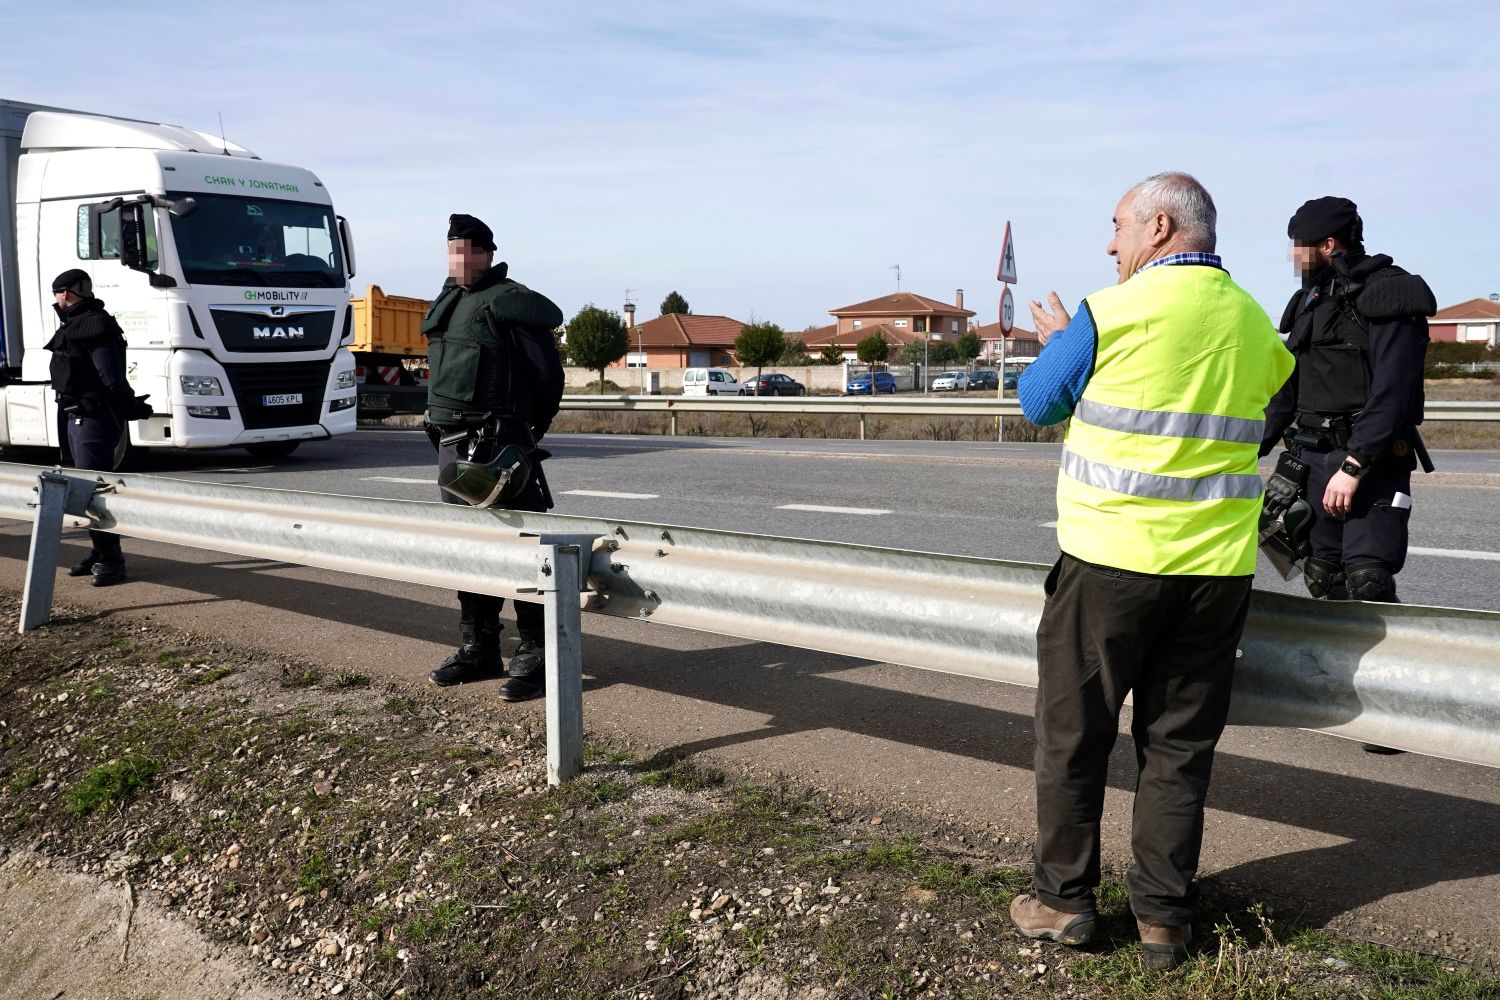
{"x":272,"y":449}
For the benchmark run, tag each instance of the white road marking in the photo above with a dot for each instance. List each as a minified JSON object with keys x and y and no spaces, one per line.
{"x":397,"y":479}
{"x":820,"y":509}
{"x":1047,"y":524}
{"x":1455,"y":553}
{"x":612,"y":496}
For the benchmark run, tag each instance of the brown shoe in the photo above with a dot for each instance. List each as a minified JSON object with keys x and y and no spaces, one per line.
{"x":1164,"y":946}
{"x":1036,"y":919}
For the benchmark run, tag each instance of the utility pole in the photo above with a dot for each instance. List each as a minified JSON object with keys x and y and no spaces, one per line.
{"x":897,"y":269}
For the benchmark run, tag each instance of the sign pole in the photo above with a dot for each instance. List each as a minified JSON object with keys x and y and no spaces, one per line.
{"x":1006,"y":275}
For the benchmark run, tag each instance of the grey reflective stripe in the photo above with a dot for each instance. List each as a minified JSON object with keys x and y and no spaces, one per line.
{"x":1227,"y":486}
{"x":1235,"y":430}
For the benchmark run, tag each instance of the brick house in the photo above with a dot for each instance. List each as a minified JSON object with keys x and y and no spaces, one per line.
{"x":682,"y":340}
{"x":901,"y":317}
{"x":1020,"y":344}
{"x":1476,"y":321}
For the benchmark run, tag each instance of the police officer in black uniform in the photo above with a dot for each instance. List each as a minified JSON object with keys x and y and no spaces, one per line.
{"x":1349,"y":412}
{"x":94,"y":400}
{"x":495,"y":384}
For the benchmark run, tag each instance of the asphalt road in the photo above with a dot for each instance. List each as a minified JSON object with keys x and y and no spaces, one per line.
{"x":967,"y":498}
{"x":1397,"y":848}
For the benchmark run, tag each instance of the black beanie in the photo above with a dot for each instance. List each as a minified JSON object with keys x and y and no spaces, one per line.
{"x":69,"y":279}
{"x":466,"y":227}
{"x":1321,"y":218}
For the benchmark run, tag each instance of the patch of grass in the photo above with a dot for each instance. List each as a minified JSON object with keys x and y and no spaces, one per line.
{"x":400,"y":706}
{"x":299,"y":677}
{"x":683,"y":775}
{"x":349,"y":679}
{"x":24,"y":778}
{"x":109,"y":784}
{"x":315,"y":874}
{"x":593,"y":754}
{"x":436,"y":923}
{"x":211,"y":676}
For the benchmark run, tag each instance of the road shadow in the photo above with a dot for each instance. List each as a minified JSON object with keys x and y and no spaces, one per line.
{"x":1394,"y":839}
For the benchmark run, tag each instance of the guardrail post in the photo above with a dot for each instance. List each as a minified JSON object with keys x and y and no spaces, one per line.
{"x":562,"y":573}
{"x":672,"y":430}
{"x":861,"y":426}
{"x":57,"y":494}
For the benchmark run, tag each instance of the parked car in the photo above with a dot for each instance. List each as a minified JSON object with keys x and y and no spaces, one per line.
{"x":859,"y":385}
{"x":950,"y":382}
{"x":775,"y":384}
{"x":1012,"y":379}
{"x":711,"y":382}
{"x":984,"y":378}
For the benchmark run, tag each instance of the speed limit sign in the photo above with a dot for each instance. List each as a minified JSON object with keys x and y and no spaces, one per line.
{"x":1007,"y":312}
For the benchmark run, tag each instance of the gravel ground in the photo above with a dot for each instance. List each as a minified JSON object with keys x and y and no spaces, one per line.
{"x":343,"y":838}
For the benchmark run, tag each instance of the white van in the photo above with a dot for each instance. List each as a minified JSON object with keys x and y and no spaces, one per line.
{"x":711,"y":382}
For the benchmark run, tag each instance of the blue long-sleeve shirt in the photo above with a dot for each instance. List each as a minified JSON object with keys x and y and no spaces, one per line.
{"x":1051,"y":386}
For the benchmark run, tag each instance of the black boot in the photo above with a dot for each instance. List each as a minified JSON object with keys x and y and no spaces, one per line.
{"x":106,"y":562}
{"x":107,"y":574}
{"x":85,"y":565}
{"x":479,"y":655}
{"x":528,"y":672}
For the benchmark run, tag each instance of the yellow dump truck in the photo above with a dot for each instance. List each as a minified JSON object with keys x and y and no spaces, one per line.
{"x":390,"y":352}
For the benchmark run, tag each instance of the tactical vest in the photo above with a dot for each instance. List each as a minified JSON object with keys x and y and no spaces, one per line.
{"x":469,"y":357}
{"x":1159,"y":463}
{"x":1331,"y":342}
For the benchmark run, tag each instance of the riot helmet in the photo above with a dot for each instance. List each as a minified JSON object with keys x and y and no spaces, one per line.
{"x":1284,"y":536}
{"x":484,"y":484}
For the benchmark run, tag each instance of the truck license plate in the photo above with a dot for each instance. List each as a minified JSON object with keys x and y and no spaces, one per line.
{"x":284,"y":399}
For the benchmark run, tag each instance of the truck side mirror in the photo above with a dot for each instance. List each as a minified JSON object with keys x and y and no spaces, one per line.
{"x":346,"y":237}
{"x":133,"y":236}
{"x":182,"y":207}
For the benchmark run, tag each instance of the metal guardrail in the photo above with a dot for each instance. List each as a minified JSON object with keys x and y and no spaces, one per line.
{"x":1417,"y":678}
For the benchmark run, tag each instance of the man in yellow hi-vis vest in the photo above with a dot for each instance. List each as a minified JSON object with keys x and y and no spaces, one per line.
{"x":1165,"y":377}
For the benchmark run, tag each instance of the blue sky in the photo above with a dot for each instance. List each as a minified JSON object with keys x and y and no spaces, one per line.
{"x":774,"y":159}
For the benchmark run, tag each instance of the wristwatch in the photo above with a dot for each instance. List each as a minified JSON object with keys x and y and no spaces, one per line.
{"x":1352,"y":468}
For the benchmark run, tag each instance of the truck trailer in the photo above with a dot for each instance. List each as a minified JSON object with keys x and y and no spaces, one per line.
{"x":228,"y":273}
{"x":390,"y":352}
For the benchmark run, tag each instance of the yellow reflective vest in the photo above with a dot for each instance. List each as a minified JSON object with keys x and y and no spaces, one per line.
{"x":1159,"y":463}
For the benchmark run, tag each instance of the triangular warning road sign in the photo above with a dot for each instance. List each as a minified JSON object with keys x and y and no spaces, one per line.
{"x":1007,"y":272}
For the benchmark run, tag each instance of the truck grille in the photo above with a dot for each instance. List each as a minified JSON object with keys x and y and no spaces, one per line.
{"x":252,"y":383}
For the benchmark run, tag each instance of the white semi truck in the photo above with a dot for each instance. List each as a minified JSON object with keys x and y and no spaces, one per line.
{"x":229,"y":274}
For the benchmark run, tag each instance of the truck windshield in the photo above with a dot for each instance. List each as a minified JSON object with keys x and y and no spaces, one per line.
{"x":253,"y":241}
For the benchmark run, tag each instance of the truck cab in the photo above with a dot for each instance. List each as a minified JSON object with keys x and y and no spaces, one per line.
{"x":229,"y":275}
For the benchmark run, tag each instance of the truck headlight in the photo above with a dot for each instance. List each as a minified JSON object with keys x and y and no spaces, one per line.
{"x":200,"y":385}
{"x":344,"y":379}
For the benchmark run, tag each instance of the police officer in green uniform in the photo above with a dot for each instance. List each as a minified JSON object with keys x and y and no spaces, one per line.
{"x":496,"y":383}
{"x":1349,"y":413}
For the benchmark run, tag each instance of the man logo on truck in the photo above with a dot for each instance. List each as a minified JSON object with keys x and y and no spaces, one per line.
{"x":278,"y":332}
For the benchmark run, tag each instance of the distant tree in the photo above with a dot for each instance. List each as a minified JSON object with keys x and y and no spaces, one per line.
{"x":759,"y":344}
{"x":969,"y":346}
{"x":943,"y":352}
{"x":873,"y":349}
{"x":596,"y":339}
{"x":912,"y":353}
{"x":674,"y":303}
{"x":831,"y":354}
{"x":795,"y":352}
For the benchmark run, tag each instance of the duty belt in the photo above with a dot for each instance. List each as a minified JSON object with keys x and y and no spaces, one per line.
{"x":1316,"y":432}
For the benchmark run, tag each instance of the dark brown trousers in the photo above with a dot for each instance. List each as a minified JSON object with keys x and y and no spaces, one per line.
{"x":1170,"y":641}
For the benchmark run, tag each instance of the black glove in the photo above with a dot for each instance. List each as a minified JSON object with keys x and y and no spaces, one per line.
{"x":138,"y":409}
{"x":1285,"y":484}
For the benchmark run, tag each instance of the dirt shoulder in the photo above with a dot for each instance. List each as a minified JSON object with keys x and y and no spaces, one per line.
{"x":329,"y":835}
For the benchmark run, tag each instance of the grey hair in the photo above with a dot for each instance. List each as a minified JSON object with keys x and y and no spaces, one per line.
{"x":1187,"y":203}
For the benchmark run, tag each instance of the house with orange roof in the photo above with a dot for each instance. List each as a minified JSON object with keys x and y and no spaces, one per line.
{"x":1020,"y":344}
{"x":901,"y":317}
{"x":1476,"y":321}
{"x":682,"y":340}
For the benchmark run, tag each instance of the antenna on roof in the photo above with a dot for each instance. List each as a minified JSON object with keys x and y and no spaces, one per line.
{"x":897,"y":269}
{"x":222,"y":137}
